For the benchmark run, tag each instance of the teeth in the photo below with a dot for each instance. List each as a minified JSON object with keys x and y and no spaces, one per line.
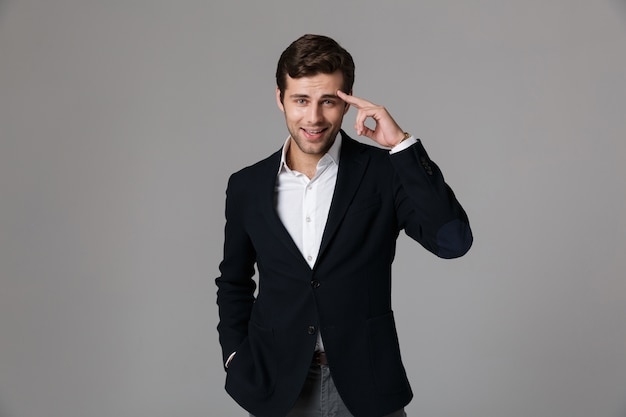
{"x":314,"y":132}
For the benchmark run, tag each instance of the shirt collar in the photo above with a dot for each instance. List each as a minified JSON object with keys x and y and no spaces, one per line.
{"x":332,"y":156}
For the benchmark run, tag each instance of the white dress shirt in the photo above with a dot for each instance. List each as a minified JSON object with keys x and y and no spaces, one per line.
{"x":303,"y":204}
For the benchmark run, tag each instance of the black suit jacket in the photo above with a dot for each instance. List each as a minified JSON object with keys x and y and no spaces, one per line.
{"x":347,"y":294}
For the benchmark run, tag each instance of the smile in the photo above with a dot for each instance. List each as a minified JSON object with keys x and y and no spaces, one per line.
{"x":314,"y":132}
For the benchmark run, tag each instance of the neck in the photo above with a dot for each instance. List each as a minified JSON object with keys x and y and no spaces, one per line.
{"x":302,"y":162}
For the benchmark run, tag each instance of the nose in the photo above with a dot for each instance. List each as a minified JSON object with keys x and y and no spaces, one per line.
{"x":314,"y":114}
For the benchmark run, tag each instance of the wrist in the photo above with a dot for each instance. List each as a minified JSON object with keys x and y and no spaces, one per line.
{"x":405,"y":136}
{"x":404,"y":144}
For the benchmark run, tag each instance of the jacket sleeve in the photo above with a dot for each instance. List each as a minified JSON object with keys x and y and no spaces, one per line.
{"x":235,"y":294}
{"x":427,"y":208}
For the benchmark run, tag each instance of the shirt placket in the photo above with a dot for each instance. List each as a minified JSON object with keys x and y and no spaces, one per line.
{"x":310,"y":245}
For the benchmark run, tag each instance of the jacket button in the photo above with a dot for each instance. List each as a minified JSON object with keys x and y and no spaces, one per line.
{"x":311,"y":330}
{"x":315,"y":284}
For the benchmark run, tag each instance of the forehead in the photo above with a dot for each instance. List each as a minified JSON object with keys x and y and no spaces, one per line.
{"x":326,"y":83}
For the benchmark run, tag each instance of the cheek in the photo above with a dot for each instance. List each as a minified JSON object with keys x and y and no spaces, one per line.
{"x":335,"y":114}
{"x":294,"y":113}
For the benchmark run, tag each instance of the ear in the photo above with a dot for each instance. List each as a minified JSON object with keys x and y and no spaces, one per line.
{"x":280,"y":104}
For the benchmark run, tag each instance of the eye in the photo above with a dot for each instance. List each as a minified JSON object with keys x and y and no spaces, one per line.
{"x":328,"y":102}
{"x":300,"y":101}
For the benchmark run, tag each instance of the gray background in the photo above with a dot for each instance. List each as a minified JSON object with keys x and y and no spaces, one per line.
{"x":120,"y":122}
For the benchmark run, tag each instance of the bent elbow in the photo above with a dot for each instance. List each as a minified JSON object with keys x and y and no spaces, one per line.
{"x":454,"y":239}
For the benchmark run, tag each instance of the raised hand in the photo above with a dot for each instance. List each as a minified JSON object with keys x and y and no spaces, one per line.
{"x":385,"y":133}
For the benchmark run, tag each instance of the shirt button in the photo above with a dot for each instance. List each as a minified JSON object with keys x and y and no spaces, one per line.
{"x":309,"y":258}
{"x":311,"y":330}
{"x":308,"y":219}
{"x":315,"y":284}
{"x":310,"y":187}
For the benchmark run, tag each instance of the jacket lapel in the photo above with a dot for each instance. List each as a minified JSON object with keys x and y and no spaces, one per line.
{"x":267,"y":207}
{"x":352,"y":164}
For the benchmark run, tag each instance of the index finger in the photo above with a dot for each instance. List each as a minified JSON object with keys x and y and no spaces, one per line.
{"x":352,"y":100}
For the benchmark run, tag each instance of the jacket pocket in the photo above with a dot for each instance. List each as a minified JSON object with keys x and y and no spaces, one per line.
{"x":252,"y":372}
{"x":384,"y":353}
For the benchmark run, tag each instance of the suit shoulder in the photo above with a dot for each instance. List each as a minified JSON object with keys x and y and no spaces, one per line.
{"x":260,"y":168}
{"x":375,"y":153}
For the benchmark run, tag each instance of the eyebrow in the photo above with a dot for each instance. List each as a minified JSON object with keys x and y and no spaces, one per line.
{"x":325,"y":96}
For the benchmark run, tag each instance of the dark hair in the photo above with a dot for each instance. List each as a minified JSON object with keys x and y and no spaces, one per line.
{"x":314,"y":54}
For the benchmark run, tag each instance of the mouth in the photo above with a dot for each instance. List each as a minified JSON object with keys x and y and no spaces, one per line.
{"x":313,"y":133}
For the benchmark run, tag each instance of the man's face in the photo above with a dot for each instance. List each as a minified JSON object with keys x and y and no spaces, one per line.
{"x":313,"y":112}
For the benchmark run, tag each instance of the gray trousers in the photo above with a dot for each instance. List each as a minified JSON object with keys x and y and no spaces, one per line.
{"x":319,"y":397}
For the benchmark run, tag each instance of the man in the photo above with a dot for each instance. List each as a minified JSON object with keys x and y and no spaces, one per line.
{"x":320,"y":219}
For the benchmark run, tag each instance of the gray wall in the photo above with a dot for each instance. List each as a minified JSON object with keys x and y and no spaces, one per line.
{"x":120,"y":122}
